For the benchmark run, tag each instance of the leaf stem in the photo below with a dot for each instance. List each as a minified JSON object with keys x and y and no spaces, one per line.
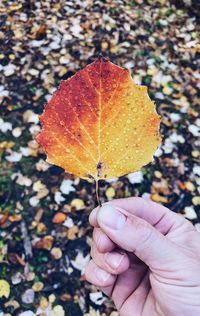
{"x":97,"y":192}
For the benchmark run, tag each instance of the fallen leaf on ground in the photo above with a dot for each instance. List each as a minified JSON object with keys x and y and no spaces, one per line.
{"x":78,"y":204}
{"x":72,"y":232}
{"x":158,"y":198}
{"x":14,"y":258}
{"x":110,"y":193}
{"x":44,"y":243}
{"x":4,"y":288}
{"x":3,"y":218}
{"x":37,"y":286}
{"x":80,"y":262}
{"x":59,"y":218}
{"x":28,"y":296}
{"x":56,"y":253}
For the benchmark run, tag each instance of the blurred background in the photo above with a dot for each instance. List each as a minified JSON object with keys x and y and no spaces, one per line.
{"x":44,"y":231}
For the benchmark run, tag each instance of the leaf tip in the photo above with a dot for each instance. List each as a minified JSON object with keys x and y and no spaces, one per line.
{"x":103,"y":58}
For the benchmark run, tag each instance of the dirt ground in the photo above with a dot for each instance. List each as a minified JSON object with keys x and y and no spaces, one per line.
{"x":45,"y":236}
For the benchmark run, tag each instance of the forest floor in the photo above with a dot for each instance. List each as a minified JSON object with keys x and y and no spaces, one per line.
{"x":45,"y":236}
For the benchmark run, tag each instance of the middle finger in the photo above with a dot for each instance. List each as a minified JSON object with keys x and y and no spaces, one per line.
{"x":114,"y":262}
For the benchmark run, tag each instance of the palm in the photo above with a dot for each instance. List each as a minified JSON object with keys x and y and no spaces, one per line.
{"x":132,"y":291}
{"x":141,"y":291}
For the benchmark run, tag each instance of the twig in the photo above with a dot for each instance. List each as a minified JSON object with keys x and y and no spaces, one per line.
{"x":97,"y":192}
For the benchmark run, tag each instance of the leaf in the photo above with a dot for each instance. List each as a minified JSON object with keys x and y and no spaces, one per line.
{"x":14,"y":258}
{"x":158,"y":198}
{"x":77,"y":204}
{"x":100,"y":124}
{"x":3,"y":218}
{"x":59,"y":218}
{"x":4,"y":288}
{"x":44,"y":243}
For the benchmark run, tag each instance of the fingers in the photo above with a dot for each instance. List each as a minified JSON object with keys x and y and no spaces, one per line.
{"x":127,"y":283}
{"x":93,"y":217}
{"x":102,"y":241}
{"x":137,"y":301}
{"x":100,"y":278}
{"x":114,"y":262}
{"x":136,"y":235}
{"x":155,"y":214}
{"x":102,"y":270}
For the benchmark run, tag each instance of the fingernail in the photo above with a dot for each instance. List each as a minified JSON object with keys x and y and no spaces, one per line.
{"x":114,"y":259}
{"x":111,"y":217}
{"x":101,"y":274}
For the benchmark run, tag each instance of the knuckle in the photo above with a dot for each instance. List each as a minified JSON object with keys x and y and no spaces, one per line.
{"x":95,"y":231}
{"x":94,"y":253}
{"x":100,"y":245}
{"x":97,"y":236}
{"x":145,"y":233}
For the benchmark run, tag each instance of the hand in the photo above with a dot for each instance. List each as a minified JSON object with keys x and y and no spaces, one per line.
{"x":146,"y":258}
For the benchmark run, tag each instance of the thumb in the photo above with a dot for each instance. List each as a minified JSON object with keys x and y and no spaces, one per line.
{"x":134,"y":234}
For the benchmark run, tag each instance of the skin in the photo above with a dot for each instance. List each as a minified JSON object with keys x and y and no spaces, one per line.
{"x":146,"y":258}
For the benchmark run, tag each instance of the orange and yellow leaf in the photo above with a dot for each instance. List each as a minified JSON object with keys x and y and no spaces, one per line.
{"x":99,"y":124}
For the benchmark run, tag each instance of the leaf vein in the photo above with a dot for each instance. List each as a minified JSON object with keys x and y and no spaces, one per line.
{"x":68,"y":131}
{"x":84,"y":128}
{"x":91,"y":84}
{"x":89,"y":105}
{"x":73,"y":156}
